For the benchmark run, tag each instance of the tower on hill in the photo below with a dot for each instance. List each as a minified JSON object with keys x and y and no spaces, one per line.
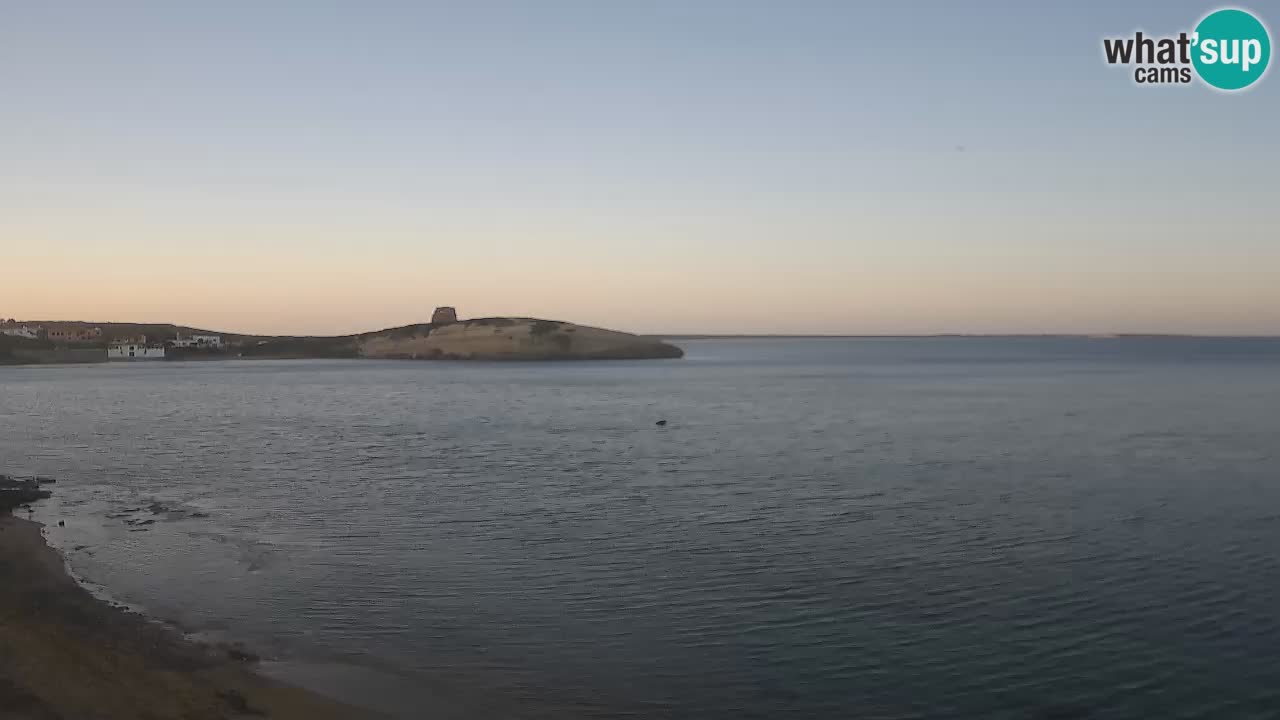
{"x":444,"y":315}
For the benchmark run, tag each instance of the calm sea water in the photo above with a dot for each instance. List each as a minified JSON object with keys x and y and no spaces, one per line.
{"x":985,"y":528}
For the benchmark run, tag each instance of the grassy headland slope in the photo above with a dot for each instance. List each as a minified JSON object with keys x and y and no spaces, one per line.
{"x":279,"y":348}
{"x":511,"y":339}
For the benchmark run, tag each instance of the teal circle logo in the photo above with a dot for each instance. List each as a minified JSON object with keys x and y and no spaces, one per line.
{"x":1231,"y":49}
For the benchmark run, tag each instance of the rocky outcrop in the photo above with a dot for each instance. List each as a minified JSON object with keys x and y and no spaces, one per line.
{"x":512,"y":339}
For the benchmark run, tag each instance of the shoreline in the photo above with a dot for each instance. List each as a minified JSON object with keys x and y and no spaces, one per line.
{"x":65,"y":653}
{"x":360,"y":687}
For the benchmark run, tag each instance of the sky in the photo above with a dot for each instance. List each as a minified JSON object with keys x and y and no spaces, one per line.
{"x":666,"y":166}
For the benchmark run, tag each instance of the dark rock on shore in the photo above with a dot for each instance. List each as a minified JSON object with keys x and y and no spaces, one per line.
{"x":15,"y":492}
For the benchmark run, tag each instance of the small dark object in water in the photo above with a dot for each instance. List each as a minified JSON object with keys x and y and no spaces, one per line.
{"x":62,"y":523}
{"x":1064,"y":712}
{"x":661,"y":423}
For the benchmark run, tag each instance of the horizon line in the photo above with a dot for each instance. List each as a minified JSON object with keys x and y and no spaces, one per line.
{"x":739,"y":336}
{"x":856,"y":336}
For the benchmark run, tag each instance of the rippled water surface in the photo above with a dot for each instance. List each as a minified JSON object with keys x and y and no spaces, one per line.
{"x":986,"y":528}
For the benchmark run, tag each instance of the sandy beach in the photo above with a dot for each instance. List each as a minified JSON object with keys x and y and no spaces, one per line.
{"x":65,"y":655}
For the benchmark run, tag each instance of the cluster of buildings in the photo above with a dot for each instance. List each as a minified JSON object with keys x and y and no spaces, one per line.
{"x":74,"y":334}
{"x":30,"y":332}
{"x":53,"y":333}
{"x":118,"y":348}
{"x":203,"y":342}
{"x":139,"y":349}
{"x":134,"y":349}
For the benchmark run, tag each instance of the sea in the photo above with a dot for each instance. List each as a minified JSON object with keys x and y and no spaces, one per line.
{"x":876,"y":528}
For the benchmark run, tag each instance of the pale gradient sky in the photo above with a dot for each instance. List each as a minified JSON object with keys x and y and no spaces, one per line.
{"x":656,"y":166}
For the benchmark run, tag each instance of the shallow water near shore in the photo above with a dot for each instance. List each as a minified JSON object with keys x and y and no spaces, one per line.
{"x":877,"y":528}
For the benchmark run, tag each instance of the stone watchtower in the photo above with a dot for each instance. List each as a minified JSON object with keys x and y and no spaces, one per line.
{"x":444,"y":315}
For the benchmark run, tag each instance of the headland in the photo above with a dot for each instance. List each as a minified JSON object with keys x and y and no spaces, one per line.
{"x":444,"y":338}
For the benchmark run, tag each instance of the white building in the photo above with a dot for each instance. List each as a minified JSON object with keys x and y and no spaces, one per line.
{"x":22,"y":331}
{"x":211,"y":342}
{"x":134,"y":351}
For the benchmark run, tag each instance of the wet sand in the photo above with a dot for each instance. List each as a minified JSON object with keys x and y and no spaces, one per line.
{"x":65,"y":655}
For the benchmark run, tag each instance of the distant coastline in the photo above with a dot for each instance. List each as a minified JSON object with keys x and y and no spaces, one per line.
{"x":444,"y":338}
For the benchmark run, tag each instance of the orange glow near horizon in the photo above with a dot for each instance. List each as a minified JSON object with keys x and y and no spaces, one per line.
{"x":743,"y":170}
